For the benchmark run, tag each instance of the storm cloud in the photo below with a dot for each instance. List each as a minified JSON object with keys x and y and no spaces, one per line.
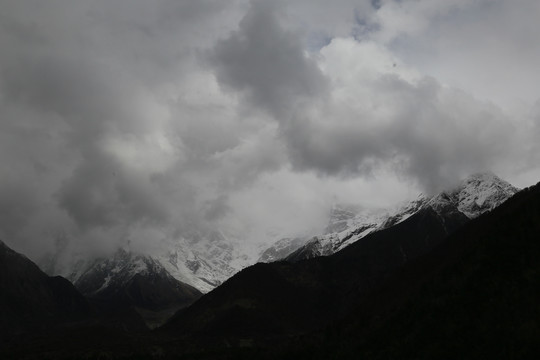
{"x":267,"y":62}
{"x":136,"y":121}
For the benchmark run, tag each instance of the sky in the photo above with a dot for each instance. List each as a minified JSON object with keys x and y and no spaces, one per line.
{"x":137,"y":121}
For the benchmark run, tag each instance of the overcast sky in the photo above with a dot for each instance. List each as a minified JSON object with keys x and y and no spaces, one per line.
{"x":143,"y":120}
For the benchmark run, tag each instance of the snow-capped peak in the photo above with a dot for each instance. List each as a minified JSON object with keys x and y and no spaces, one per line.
{"x":473,"y":196}
{"x":117,"y":270}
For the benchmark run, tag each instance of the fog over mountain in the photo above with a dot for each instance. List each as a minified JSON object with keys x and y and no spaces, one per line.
{"x":136,"y":122}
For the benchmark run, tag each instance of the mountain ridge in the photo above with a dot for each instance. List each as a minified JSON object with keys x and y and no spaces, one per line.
{"x":474,"y":195}
{"x":205,"y":260}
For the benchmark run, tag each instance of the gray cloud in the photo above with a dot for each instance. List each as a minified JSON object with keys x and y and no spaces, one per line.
{"x":267,"y":62}
{"x":18,"y":205}
{"x":217,"y":208}
{"x":86,"y":131}
{"x":432,"y":134}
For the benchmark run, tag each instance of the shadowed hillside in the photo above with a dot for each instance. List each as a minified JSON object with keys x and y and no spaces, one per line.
{"x":30,"y":299}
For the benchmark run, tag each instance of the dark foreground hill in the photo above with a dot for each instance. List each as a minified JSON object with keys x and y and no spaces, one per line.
{"x":476,"y":296}
{"x":44,"y":317}
{"x":30,"y":299}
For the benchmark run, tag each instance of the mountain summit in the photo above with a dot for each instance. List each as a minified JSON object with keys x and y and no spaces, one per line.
{"x":472,"y":197}
{"x":129,"y":279}
{"x":475,"y":195}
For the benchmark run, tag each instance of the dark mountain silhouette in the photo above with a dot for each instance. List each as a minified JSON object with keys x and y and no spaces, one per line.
{"x":47,"y":317}
{"x":31,"y":299}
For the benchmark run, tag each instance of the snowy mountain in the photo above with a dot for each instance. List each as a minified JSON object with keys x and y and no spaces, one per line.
{"x":343,"y":229}
{"x":342,"y":219}
{"x":201,"y":259}
{"x":476,"y":195}
{"x":282,"y":248}
{"x":472,"y":197}
{"x":132,"y":279}
{"x":204,"y":260}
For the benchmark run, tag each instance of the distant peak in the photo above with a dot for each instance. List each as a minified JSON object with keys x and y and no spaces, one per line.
{"x":487,"y":179}
{"x":476,"y":194}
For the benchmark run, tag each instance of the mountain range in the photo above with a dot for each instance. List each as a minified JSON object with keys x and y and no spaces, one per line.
{"x":207,"y":259}
{"x":203,"y":260}
{"x":452,"y":275}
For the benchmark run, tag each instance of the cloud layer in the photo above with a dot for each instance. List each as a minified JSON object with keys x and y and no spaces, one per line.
{"x":142,"y":121}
